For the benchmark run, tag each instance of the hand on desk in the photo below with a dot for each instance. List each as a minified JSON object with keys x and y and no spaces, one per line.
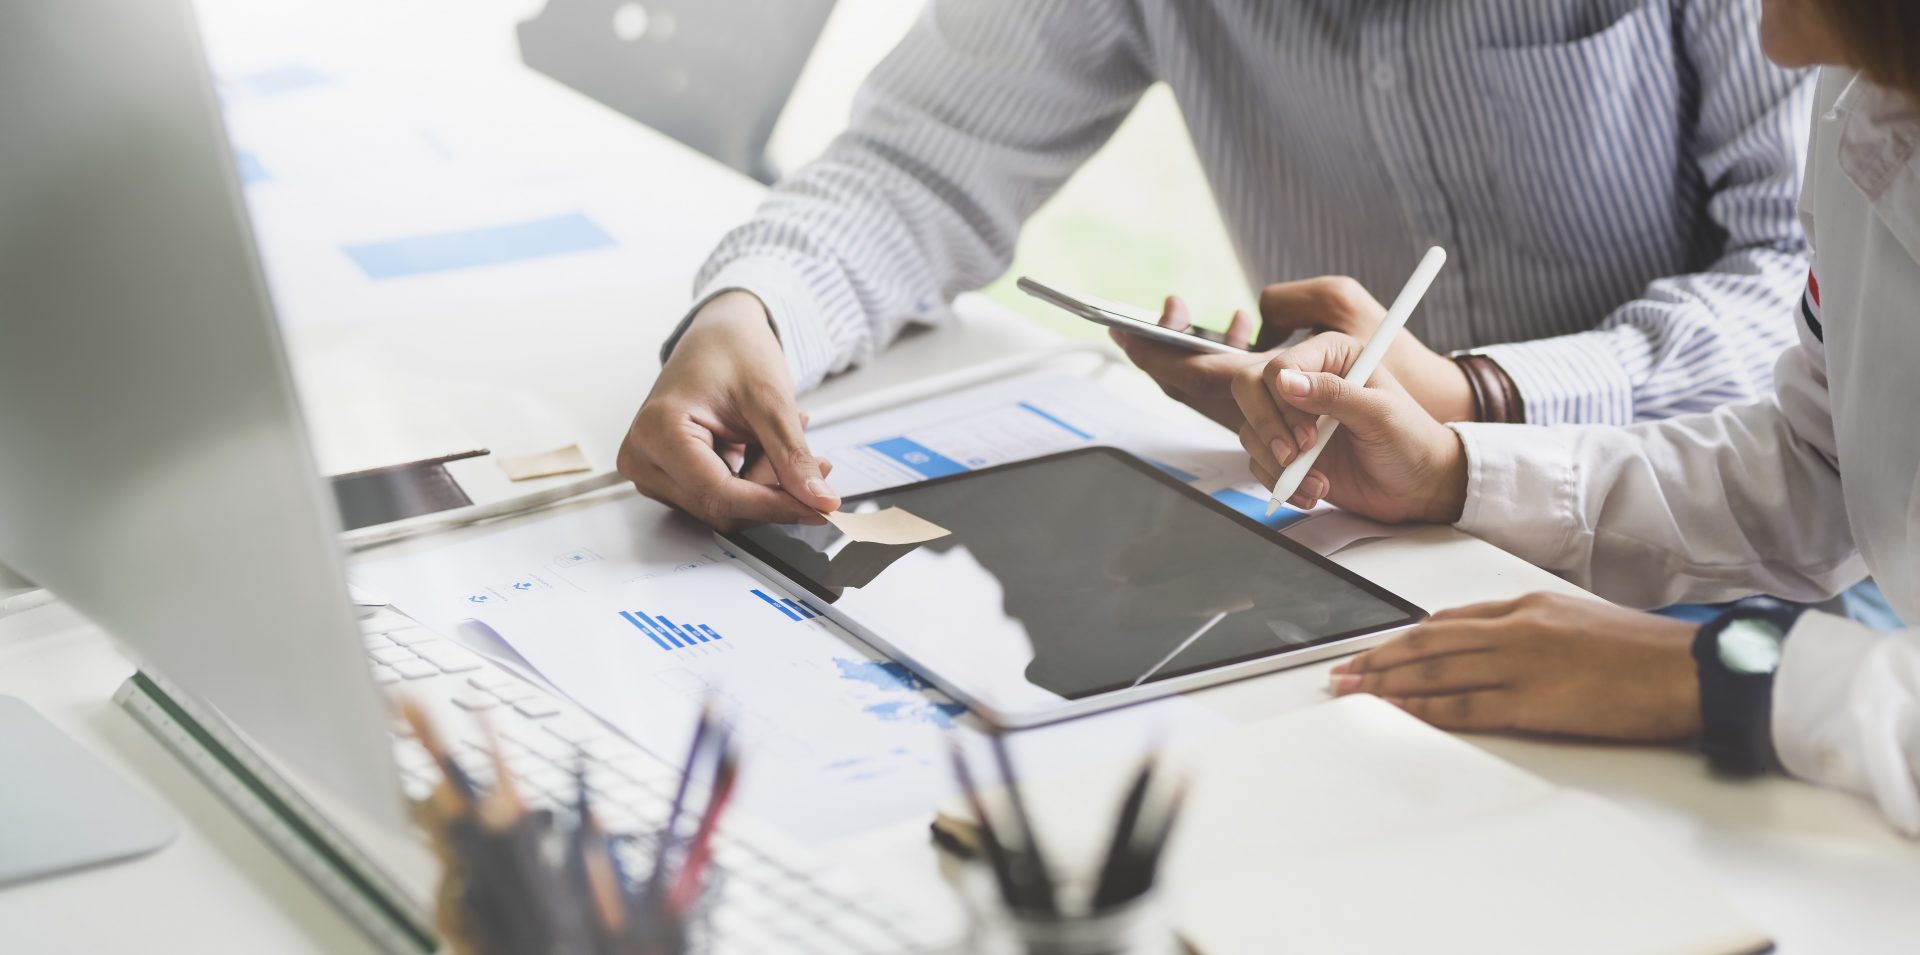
{"x":720,"y":436}
{"x":1544,"y":663}
{"x":1216,"y":385}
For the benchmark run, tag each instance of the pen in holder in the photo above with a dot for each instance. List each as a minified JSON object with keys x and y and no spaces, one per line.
{"x":1022,"y":906}
{"x":518,"y":880}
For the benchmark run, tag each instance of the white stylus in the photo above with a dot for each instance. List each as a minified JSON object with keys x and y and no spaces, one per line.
{"x":1370,"y":356}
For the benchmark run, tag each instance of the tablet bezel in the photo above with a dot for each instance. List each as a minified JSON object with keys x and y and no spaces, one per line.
{"x":823,"y":602}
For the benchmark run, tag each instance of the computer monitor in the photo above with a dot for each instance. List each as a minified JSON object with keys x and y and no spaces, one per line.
{"x":154,"y":469}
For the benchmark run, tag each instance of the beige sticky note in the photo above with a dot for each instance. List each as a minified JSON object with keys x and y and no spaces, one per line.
{"x":526,"y":467}
{"x":887,"y":526}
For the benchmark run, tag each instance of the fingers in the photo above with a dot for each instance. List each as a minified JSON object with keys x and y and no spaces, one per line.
{"x":1333,"y":302}
{"x":1480,"y":611}
{"x":1430,"y":639}
{"x":1240,"y":330}
{"x":1174,"y":314}
{"x":1431,"y":676}
{"x":684,"y":470}
{"x":776,"y":422}
{"x":1269,"y":438}
{"x":1368,"y":411}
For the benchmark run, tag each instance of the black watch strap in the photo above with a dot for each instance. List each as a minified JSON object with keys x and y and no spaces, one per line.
{"x":1736,"y":708}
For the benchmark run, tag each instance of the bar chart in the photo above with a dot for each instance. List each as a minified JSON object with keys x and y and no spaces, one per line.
{"x":667,"y":634}
{"x":791,"y":609}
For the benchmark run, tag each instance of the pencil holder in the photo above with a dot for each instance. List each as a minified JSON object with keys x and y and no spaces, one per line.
{"x":1140,"y":926}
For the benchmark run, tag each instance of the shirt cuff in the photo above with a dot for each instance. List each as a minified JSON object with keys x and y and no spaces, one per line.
{"x":1520,"y":489}
{"x":790,"y":305}
{"x":1578,"y":379}
{"x":1842,"y":716}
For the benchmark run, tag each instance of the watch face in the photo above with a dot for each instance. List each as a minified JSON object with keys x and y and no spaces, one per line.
{"x":1750,"y":646}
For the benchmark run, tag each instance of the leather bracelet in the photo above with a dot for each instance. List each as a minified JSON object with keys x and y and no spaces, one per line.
{"x":1496,"y":399}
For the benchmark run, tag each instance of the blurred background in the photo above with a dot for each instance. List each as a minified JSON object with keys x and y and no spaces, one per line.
{"x":1136,"y":223}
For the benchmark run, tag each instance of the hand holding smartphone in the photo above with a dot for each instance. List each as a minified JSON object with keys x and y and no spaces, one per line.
{"x":1131,"y":320}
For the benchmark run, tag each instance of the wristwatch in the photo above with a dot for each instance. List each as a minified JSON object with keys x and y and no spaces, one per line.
{"x":1737,"y":654}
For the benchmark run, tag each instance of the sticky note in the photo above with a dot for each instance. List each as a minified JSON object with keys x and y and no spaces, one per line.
{"x":891,"y":525}
{"x":526,"y":467}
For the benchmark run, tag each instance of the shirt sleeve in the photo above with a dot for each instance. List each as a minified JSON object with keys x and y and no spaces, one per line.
{"x":1846,"y":712}
{"x":1700,"y":508}
{"x":981,"y":113}
{"x":1697,"y":341}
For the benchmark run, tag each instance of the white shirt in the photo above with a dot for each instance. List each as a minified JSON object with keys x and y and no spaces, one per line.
{"x":1616,"y":179}
{"x":1798,"y":496}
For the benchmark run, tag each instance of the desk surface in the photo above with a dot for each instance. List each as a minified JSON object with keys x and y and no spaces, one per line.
{"x":455,"y":363}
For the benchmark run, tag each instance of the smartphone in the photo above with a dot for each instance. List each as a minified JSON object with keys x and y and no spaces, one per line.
{"x":1131,"y":320}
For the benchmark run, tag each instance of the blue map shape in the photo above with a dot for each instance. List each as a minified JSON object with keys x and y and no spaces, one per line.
{"x":892,"y":678}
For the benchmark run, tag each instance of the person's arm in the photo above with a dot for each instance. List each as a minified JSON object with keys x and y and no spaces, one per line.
{"x":1846,"y":712}
{"x":981,"y":113}
{"x":1695,"y":342}
{"x":1703,"y":508}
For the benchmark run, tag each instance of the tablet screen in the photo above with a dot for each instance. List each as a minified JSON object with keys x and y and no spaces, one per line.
{"x":1073,"y":575}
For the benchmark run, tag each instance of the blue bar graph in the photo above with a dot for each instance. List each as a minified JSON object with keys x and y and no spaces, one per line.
{"x":643,"y":628}
{"x":777,"y":605}
{"x":666,"y":634}
{"x":686,"y":636}
{"x":801,"y":608}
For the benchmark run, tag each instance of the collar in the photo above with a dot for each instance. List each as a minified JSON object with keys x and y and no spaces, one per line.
{"x":1879,"y":153}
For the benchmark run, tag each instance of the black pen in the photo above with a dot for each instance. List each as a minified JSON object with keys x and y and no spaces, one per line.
{"x":989,"y":841}
{"x":1120,"y":851}
{"x":1040,"y":879}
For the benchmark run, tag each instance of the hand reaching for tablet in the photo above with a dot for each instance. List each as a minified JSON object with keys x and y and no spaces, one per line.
{"x":721,"y":436}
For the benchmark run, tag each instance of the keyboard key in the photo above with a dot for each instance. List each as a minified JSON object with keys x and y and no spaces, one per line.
{"x":408,"y":636}
{"x":516,"y":691}
{"x":539,"y":708}
{"x":475,"y":702}
{"x":491,"y":679}
{"x":375,"y":641}
{"x":446,"y":656}
{"x":416,"y":669}
{"x":385,"y":674}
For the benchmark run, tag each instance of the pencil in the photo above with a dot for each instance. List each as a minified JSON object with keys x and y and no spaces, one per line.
{"x":1371,"y":355}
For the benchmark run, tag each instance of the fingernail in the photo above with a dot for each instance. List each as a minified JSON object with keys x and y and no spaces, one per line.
{"x":819,"y":489}
{"x":1295,"y":383}
{"x":1343,"y":666}
{"x":1343,"y":683}
{"x":1303,"y":437}
{"x":1281,"y":451}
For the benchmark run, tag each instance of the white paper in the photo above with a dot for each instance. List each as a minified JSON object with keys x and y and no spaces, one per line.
{"x":565,"y":554}
{"x":836,"y":740}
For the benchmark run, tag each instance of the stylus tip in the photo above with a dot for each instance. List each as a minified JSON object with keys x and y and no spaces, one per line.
{"x":1272,"y":505}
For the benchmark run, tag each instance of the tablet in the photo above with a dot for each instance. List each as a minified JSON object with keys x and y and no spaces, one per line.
{"x":1075,"y":583}
{"x":1131,"y":320}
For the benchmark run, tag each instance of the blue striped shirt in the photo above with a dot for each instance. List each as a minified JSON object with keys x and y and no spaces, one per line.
{"x":1616,"y":178}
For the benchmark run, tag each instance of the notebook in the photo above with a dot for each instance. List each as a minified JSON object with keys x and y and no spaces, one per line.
{"x":1351,"y":827}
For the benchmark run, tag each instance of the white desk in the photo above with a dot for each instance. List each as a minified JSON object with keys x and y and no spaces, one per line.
{"x":449,"y":369}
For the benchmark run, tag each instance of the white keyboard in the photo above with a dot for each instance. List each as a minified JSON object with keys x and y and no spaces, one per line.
{"x":772,"y":895}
